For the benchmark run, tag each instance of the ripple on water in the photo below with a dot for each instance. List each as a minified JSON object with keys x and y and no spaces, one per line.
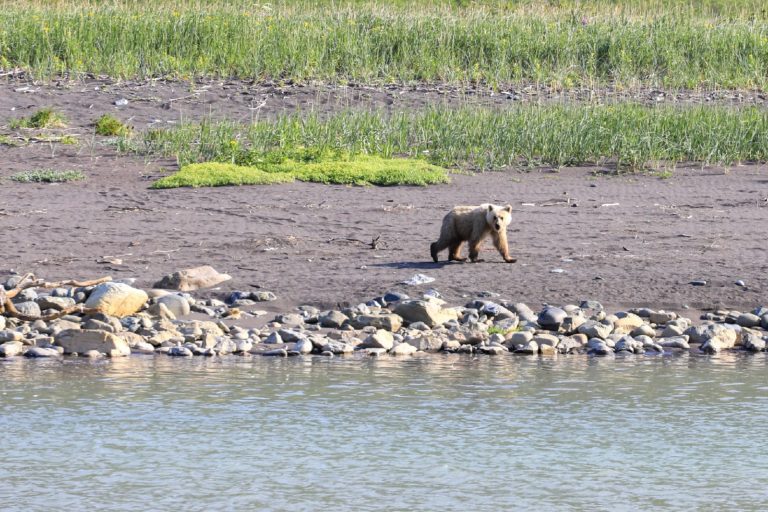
{"x":442,"y":432}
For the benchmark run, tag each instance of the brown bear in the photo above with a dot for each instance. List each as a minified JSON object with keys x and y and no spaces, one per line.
{"x":474,"y":223}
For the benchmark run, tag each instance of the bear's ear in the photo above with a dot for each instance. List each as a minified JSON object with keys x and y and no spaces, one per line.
{"x":490,"y":207}
{"x":508,"y":208}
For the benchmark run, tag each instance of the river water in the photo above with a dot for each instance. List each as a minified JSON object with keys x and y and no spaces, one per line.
{"x":441,"y":432}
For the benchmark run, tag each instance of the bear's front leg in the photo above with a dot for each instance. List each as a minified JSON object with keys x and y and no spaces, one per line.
{"x":500,"y":242}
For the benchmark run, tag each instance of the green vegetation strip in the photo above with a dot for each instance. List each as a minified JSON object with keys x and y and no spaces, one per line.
{"x":47,"y":176}
{"x":325,"y":167}
{"x":664,"y":42}
{"x":629,"y":136}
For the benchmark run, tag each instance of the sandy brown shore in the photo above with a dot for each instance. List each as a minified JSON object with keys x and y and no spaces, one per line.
{"x":626,"y":241}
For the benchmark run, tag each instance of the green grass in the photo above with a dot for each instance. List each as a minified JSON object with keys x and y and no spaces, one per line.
{"x":670,"y":43}
{"x":109,"y":125}
{"x":307,"y":165}
{"x":43,"y":118}
{"x":622,"y":136}
{"x":47,"y":176}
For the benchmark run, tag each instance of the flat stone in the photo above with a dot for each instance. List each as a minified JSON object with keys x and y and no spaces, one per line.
{"x":661,"y":317}
{"x":627,"y":323}
{"x":35,"y":352}
{"x":192,"y":279}
{"x":547,"y":339}
{"x":176,"y":304}
{"x":116,"y":299}
{"x":390,"y":322}
{"x":748,"y":320}
{"x":380,"y":339}
{"x":529,"y":348}
{"x":81,"y":341}
{"x":403,"y":349}
{"x":423,"y":311}
{"x":28,"y":308}
{"x":180,"y":352}
{"x":11,"y":348}
{"x":57,"y":303}
{"x":680,"y":342}
{"x":10,"y":335}
{"x":332,"y":319}
{"x":595,"y":329}
{"x":547,"y":350}
{"x":671,"y":331}
{"x":752,"y":342}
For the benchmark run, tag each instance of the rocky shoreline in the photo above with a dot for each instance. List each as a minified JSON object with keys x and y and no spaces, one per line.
{"x":112,"y":318}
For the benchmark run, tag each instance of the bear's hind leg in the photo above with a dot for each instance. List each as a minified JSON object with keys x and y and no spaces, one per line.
{"x":474,"y":250}
{"x":436,"y":247}
{"x":455,"y":252}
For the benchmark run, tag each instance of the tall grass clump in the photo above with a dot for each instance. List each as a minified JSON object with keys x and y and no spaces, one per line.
{"x":627,"y":136}
{"x":621,"y":43}
{"x":43,"y":118}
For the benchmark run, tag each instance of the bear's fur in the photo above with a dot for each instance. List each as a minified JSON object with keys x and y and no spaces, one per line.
{"x":474,"y":224}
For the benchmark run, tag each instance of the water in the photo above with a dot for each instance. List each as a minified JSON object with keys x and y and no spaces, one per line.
{"x":441,"y":432}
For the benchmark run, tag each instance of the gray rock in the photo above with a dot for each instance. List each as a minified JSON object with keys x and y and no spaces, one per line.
{"x":426,"y":342}
{"x":598,"y":347}
{"x":273,"y":338}
{"x":529,"y":348}
{"x":11,"y":348}
{"x":192,"y":279}
{"x":379,"y":339}
{"x":278,"y":352}
{"x":422,"y":311}
{"x":57,"y":303}
{"x":142,"y":347}
{"x":92,"y":354}
{"x":97,"y":325}
{"x":10,"y":335}
{"x":303,"y":346}
{"x":390,"y":322}
{"x":332,"y":319}
{"x":28,"y":308}
{"x":568,"y":345}
{"x":680,"y":342}
{"x":493,"y":350}
{"x":547,"y":350}
{"x":594,"y":329}
{"x":551,"y":318}
{"x":290,"y":320}
{"x":524,"y":312}
{"x":403,"y":349}
{"x":748,"y":320}
{"x":643,"y":330}
{"x":225,"y":346}
{"x":81,"y":341}
{"x":338,"y":347}
{"x":179,"y":352}
{"x":547,"y":339}
{"x":116,"y":299}
{"x":662,"y":317}
{"x":629,"y":344}
{"x":242,"y":346}
{"x":35,"y":352}
{"x":290,"y":336}
{"x":176,"y":304}
{"x":752,"y":342}
{"x":671,"y":331}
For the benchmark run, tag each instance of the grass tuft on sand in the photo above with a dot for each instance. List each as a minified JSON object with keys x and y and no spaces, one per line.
{"x":108,"y":125}
{"x":47,"y":176}
{"x":43,"y":118}
{"x":307,"y":165}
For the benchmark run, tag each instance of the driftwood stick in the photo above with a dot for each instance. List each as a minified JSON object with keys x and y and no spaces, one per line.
{"x":29,"y":281}
{"x":11,"y":310}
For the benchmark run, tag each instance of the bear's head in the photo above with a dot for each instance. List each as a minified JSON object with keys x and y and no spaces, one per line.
{"x":498,"y":217}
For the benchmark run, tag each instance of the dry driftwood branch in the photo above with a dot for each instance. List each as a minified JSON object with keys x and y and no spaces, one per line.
{"x":29,"y":281}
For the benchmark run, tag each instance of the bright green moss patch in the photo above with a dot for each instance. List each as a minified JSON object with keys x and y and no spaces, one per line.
{"x":340,"y":169}
{"x":216,"y":174}
{"x":111,"y":126}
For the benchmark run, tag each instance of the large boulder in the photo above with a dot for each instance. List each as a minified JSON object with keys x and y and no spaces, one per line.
{"x":116,"y":299}
{"x":422,"y":311}
{"x":390,"y":322}
{"x":81,"y":341}
{"x":192,"y":279}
